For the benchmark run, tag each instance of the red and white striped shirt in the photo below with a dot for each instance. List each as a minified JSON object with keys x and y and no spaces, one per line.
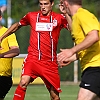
{"x":43,"y":44}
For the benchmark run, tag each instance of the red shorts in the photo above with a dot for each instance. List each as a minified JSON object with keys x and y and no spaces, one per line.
{"x":46,"y":70}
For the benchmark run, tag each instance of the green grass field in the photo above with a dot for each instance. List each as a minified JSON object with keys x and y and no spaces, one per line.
{"x":39,"y":92}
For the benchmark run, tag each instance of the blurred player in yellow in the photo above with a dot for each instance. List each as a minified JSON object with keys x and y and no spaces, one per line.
{"x":9,"y":50}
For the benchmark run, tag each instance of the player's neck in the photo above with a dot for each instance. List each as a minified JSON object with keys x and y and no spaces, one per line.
{"x":74,"y":9}
{"x":48,"y":14}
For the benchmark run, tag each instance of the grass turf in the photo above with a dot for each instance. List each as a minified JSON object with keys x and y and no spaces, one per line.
{"x":39,"y":92}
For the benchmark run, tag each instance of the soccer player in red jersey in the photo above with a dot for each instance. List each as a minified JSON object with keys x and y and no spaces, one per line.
{"x":41,"y":60}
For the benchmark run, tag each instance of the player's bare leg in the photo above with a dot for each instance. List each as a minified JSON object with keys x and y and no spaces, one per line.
{"x":21,"y":89}
{"x":25,"y":80}
{"x":85,"y":94}
{"x":54,"y":94}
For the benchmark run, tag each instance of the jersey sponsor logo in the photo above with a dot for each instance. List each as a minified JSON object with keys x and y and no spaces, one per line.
{"x":44,"y":26}
{"x":48,"y":26}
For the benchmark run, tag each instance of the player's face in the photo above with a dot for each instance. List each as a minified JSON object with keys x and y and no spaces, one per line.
{"x":45,"y":6}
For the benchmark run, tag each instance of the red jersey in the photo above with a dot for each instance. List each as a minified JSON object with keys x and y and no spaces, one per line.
{"x":43,"y":42}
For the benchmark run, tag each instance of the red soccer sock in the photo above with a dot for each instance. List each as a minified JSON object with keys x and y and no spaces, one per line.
{"x":19,"y":93}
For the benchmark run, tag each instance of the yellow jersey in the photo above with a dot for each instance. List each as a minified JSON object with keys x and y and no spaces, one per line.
{"x":84,"y":22}
{"x":6,"y":63}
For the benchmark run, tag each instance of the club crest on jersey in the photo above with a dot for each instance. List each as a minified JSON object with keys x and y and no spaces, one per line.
{"x":54,"y":22}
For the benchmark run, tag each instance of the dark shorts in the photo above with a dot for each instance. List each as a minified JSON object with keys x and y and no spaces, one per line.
{"x":5,"y":85}
{"x":91,"y":80}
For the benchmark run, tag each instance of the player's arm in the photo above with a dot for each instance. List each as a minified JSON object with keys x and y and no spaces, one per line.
{"x":68,"y":18}
{"x":10,"y":30}
{"x":13,"y":51}
{"x":91,"y":38}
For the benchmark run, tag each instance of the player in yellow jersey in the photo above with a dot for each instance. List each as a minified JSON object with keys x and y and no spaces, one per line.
{"x":86,"y":35}
{"x":9,"y":50}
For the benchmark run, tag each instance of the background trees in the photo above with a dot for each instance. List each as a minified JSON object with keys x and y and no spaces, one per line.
{"x":20,"y":7}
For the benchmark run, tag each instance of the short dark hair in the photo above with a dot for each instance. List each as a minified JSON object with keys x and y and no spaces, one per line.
{"x":51,"y":1}
{"x":79,"y":2}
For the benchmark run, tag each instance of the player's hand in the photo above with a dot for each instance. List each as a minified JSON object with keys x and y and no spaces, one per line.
{"x":62,"y":8}
{"x":63,"y":64}
{"x":64,"y":55}
{"x":65,"y":59}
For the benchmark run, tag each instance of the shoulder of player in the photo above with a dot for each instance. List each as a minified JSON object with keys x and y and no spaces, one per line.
{"x":81,"y":13}
{"x":32,"y":13}
{"x":5,"y":28}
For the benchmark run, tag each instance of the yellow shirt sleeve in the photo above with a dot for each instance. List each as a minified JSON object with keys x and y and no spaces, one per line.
{"x":88,"y":22}
{"x":12,"y":40}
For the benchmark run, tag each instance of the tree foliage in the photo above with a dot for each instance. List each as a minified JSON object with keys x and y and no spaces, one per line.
{"x":20,"y":7}
{"x":92,"y":6}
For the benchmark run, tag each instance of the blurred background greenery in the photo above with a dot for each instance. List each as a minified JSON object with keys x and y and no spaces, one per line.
{"x":20,"y":7}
